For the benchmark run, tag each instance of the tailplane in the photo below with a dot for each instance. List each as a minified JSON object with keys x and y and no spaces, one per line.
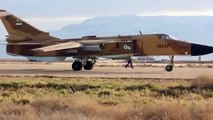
{"x":20,"y":31}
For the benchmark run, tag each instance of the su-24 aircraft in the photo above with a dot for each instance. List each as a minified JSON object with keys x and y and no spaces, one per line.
{"x":26,"y":40}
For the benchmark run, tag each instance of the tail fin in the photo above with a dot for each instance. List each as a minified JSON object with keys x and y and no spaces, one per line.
{"x":20,"y":31}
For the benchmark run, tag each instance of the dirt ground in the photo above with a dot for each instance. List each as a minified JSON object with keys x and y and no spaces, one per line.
{"x":106,"y":70}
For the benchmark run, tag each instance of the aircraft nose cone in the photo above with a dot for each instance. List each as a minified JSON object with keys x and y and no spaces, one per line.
{"x":197,"y":49}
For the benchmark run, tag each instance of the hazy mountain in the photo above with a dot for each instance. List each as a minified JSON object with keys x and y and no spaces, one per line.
{"x":195,"y":29}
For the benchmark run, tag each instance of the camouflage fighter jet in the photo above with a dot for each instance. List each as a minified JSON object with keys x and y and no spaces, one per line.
{"x":26,"y":40}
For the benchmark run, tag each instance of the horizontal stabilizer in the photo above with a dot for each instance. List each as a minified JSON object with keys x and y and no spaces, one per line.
{"x":23,"y":43}
{"x":61,"y":46}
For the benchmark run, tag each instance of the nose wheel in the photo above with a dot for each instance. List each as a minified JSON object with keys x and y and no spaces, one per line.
{"x":169,"y":68}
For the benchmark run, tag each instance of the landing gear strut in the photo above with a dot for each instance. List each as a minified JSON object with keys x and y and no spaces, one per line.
{"x":169,"y":67}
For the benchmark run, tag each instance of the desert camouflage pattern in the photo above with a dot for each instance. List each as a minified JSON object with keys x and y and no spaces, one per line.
{"x":26,"y":40}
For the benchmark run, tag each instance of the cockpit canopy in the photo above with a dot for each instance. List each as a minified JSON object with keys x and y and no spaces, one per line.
{"x":166,"y":37}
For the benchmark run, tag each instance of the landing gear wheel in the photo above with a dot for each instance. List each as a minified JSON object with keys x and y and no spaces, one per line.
{"x":169,"y":68}
{"x":77,"y":66}
{"x":88,"y":65}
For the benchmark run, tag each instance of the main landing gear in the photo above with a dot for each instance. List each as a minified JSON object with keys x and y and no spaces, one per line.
{"x":169,"y":67}
{"x":87,"y":64}
{"x":77,"y":66}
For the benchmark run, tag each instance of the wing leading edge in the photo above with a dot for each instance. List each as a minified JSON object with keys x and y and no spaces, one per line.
{"x":60,"y":46}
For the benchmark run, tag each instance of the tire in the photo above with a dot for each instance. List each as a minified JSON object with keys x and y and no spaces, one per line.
{"x":169,"y":68}
{"x":77,"y":66}
{"x":88,"y":65}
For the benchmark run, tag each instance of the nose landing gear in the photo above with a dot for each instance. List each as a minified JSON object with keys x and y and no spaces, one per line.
{"x":170,"y":67}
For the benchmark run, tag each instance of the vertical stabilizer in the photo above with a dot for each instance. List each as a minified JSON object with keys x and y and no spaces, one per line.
{"x":19,"y":30}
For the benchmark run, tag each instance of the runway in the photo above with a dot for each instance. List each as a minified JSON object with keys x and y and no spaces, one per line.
{"x":64,"y":70}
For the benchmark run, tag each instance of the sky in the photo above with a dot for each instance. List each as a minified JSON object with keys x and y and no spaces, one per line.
{"x":49,"y":15}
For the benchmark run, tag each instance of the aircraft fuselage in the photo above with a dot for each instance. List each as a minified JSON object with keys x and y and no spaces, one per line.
{"x":137,"y":45}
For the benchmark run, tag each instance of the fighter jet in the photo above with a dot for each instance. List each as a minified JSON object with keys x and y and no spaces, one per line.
{"x":26,"y":40}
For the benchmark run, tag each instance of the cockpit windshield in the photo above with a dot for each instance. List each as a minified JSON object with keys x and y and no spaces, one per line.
{"x":166,"y":37}
{"x":172,"y":37}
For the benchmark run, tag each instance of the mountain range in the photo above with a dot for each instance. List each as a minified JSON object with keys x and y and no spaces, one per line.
{"x":190,"y":28}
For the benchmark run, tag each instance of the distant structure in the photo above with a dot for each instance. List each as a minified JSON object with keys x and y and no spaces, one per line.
{"x":145,"y":59}
{"x":199,"y":58}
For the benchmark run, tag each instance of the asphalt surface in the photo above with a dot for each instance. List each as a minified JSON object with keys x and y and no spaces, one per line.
{"x":64,"y":70}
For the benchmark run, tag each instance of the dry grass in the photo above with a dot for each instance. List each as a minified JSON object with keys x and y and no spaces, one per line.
{"x":203,"y":83}
{"x":103,"y":99}
{"x":84,"y":108}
